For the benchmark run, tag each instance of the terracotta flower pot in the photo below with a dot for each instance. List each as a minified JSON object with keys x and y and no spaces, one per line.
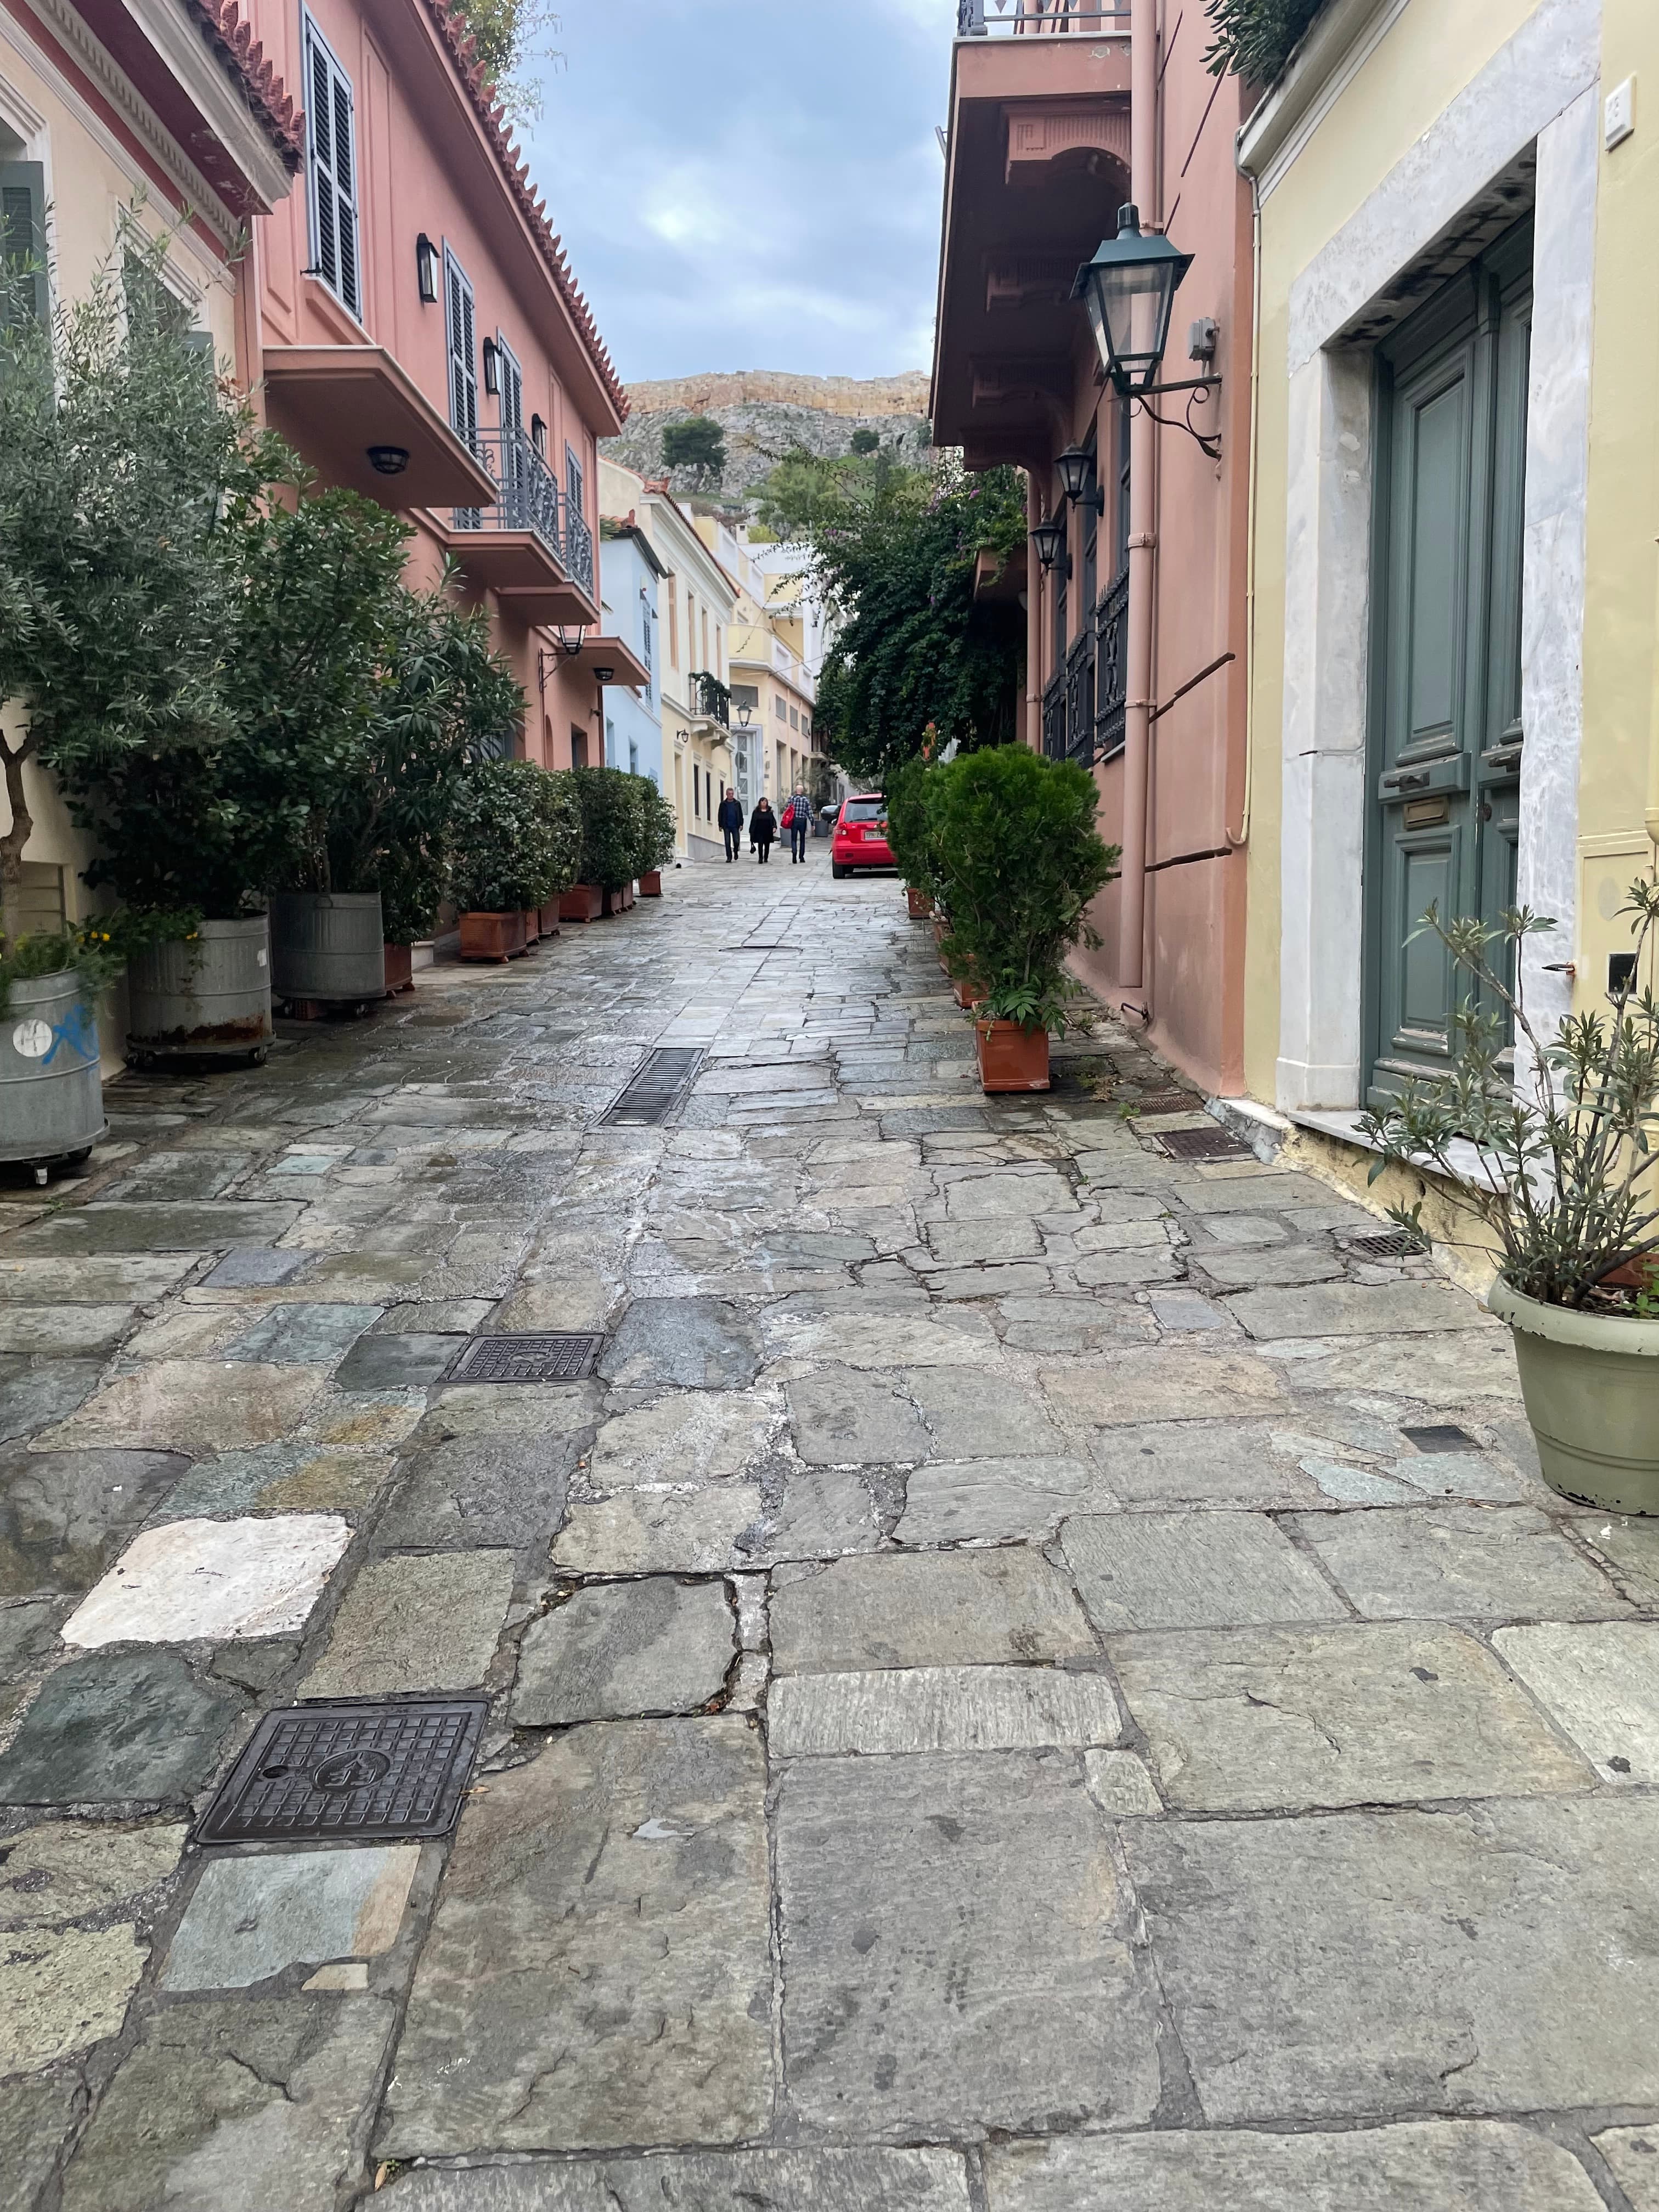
{"x":400,"y":969}
{"x":550,"y":919}
{"x":920,"y":904}
{"x":1010,"y":1058}
{"x":581,"y":902}
{"x":651,"y":883}
{"x":492,"y":936}
{"x":532,"y":925}
{"x":968,"y":994}
{"x":618,"y":900}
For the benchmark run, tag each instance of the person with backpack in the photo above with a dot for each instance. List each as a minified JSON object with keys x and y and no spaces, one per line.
{"x":798,"y":821}
{"x":762,"y":828}
{"x":730,"y":818}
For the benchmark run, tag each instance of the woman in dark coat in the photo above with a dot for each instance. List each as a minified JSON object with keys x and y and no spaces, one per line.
{"x":762,"y":828}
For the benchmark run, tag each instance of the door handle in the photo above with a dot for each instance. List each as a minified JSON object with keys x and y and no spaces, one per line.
{"x":1404,"y":779}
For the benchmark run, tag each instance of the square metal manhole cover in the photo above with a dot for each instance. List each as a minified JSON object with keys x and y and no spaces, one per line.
{"x":655,"y":1089}
{"x":1217,"y":1143}
{"x":351,"y":1771}
{"x":1387,"y":1244}
{"x":1441,"y":1437}
{"x":562,"y":1358}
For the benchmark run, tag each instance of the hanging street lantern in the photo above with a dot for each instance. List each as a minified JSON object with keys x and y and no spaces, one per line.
{"x":1049,"y":539}
{"x":1129,"y":289}
{"x":1076,"y":467}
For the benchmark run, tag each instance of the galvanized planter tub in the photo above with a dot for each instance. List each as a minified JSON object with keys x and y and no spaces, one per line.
{"x":51,"y":1095}
{"x":328,"y":944}
{"x":208,"y":998}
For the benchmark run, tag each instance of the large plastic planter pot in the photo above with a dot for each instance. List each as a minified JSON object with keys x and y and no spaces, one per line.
{"x":581,"y":902}
{"x":492,"y":936}
{"x":1591,"y":1386}
{"x":328,"y":944}
{"x":1010,"y":1058}
{"x":205,"y":998}
{"x":920,"y":906}
{"x":651,"y":883}
{"x":51,"y":1098}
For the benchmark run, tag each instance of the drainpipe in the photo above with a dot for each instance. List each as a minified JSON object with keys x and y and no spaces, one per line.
{"x":1033,"y":618}
{"x":1651,"y":817}
{"x":1138,"y":668}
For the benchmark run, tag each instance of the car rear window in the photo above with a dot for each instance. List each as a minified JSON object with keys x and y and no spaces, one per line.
{"x":864,"y":809}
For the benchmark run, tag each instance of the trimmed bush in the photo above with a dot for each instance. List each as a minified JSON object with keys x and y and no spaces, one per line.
{"x":513,"y":837}
{"x":611,"y":835}
{"x":910,"y":837}
{"x":1019,"y":862}
{"x":657,"y":828}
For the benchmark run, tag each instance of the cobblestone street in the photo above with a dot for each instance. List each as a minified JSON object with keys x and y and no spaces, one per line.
{"x":1033,"y":1677}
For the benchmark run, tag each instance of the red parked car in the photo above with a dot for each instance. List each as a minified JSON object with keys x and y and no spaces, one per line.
{"x":859,"y":837}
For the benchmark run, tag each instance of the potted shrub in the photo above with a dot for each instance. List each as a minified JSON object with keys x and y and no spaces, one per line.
{"x":1556,"y":1160}
{"x":506,"y":855}
{"x":51,"y":1099}
{"x":610,"y":835}
{"x":908,"y":836}
{"x":1019,"y":859}
{"x":658,"y":831}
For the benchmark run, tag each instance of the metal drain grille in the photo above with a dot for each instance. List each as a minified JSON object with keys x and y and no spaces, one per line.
{"x":351,"y":1771}
{"x":1441,"y":1437}
{"x":1217,"y":1143}
{"x":1165,"y":1102}
{"x":656,"y":1090}
{"x":1387,"y":1244}
{"x":564,"y":1358}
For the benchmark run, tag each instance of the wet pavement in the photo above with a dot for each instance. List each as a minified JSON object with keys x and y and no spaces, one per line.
{"x":1003,"y":1692}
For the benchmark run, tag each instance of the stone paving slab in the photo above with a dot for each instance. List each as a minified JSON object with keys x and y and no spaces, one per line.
{"x":996,"y":1500}
{"x":897,"y":1898}
{"x":1173,"y":1383}
{"x":1192,"y":1570}
{"x":193,"y":1405}
{"x":65,"y":1516}
{"x":96,"y":1229}
{"x":1459,"y":1562}
{"x":899,"y":1609}
{"x":928,"y":1709}
{"x":1633,"y":2155}
{"x":742,"y":2181}
{"x":35,"y":2119}
{"x":617,"y":1650}
{"x":242,"y":2106}
{"x":209,"y":1580}
{"x":115,"y":1726}
{"x":428,"y":1623}
{"x":251,"y":1917}
{"x":1357,"y":1310}
{"x":1599,"y":1684}
{"x":1329,"y":1969}
{"x":1270,"y":1718}
{"x":598,"y":1973}
{"x":1475,"y":2166}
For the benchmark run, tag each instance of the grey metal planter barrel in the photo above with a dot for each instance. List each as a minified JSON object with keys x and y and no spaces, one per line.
{"x":328,"y":944}
{"x":207,"y":998}
{"x":51,"y":1095}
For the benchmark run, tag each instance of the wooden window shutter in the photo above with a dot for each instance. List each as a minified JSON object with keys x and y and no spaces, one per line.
{"x":461,"y":317}
{"x":331,"y":174}
{"x":25,"y":294}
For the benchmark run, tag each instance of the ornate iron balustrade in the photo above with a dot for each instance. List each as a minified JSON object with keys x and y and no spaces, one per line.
{"x":1053,"y":719}
{"x":1111,"y":685}
{"x":1034,"y":19}
{"x":709,"y":696}
{"x":531,"y":499}
{"x":1080,"y":698}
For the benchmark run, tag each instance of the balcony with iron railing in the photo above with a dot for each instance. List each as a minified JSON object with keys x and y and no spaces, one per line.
{"x":531,"y":544}
{"x":710,"y":699}
{"x":1036,"y":19}
{"x":1084,"y":705}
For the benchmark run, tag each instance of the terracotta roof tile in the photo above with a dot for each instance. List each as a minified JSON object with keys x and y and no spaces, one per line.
{"x":452,"y":26}
{"x":232,"y":39}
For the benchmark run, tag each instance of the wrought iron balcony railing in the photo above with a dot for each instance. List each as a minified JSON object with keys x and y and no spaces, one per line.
{"x":1038,"y":18}
{"x":1111,"y":687}
{"x":531,"y":499}
{"x":709,"y":696}
{"x":1083,"y":708}
{"x":1054,"y":717}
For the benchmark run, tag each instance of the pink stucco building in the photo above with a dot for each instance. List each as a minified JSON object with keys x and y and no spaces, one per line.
{"x":415,"y":331}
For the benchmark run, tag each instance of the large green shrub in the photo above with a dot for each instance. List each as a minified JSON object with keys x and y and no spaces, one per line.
{"x":657,"y":828}
{"x":1019,"y":862}
{"x":509,"y":837}
{"x":610,"y":826}
{"x":1255,"y":38}
{"x":910,"y":837}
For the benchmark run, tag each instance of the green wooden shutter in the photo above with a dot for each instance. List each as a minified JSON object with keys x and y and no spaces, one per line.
{"x":25,"y":291}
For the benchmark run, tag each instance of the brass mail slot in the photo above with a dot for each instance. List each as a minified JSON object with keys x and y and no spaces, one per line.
{"x":1427,"y":813}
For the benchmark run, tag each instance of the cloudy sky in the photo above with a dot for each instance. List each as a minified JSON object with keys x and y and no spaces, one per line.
{"x":749,"y":184}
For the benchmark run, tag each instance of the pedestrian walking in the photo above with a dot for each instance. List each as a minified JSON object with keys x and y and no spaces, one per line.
{"x":730,"y":818}
{"x":798,"y":821}
{"x":762,"y":828}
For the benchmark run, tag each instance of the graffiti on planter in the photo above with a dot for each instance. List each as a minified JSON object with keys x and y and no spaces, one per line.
{"x":75,"y":1034}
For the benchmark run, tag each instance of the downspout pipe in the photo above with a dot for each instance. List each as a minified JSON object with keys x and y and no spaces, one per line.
{"x":1138,"y":660}
{"x":1651,"y":819}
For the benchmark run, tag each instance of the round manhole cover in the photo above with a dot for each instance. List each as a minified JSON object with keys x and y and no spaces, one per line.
{"x":349,"y":1770}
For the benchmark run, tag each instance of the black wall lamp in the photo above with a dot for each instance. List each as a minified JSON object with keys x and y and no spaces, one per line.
{"x":426,"y":268}
{"x":1049,"y":538}
{"x":492,"y":367}
{"x":604,"y":676}
{"x":388,"y":460}
{"x":1129,"y":290}
{"x":1077,"y":469}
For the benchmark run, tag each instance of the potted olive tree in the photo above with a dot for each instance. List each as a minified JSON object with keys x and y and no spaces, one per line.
{"x":507,"y":850}
{"x":657,"y":833}
{"x":1555,"y":1159}
{"x":610,"y":843}
{"x":1019,"y":860}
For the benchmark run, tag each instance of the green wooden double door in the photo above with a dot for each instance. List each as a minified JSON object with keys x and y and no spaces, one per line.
{"x":1443,"y":764}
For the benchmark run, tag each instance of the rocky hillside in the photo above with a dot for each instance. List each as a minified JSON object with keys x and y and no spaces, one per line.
{"x":766,"y":415}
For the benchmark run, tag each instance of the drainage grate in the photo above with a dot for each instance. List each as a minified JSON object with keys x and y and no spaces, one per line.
{"x":656,"y":1088}
{"x":349,"y":1772}
{"x":1443,"y":1437}
{"x":1217,"y":1143}
{"x":1387,"y":1244}
{"x":1165,"y":1102}
{"x":565,"y":1358}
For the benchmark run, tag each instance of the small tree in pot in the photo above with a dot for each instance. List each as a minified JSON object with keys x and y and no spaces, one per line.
{"x":611,"y":832}
{"x":910,"y":837}
{"x":1019,"y":862}
{"x":657,"y":833}
{"x":1557,"y":1162}
{"x":510,"y":839}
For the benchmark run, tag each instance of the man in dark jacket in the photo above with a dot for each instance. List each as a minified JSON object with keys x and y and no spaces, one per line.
{"x":797,"y":819}
{"x":730,"y":818}
{"x":762,"y":828}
